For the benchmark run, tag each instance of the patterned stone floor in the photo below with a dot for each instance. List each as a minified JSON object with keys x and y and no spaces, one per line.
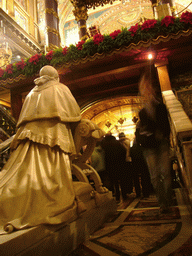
{"x":138,"y":229}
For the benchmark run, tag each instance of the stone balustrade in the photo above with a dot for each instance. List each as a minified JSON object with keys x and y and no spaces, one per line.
{"x":181,"y":127}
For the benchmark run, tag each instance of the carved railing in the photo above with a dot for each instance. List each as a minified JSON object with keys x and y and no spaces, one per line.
{"x":181,"y":131}
{"x":7,"y":131}
{"x":5,"y":151}
{"x":7,"y":123}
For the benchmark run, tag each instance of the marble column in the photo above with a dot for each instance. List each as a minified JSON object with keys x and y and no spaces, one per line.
{"x":154,"y":4}
{"x":81,"y":16}
{"x":52,"y":25}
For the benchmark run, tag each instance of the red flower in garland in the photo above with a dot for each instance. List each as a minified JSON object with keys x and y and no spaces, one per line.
{"x":98,"y":38}
{"x":80,"y":44}
{"x":1,"y":72}
{"x":133,"y":29}
{"x":168,"y":20}
{"x":115,"y":33}
{"x":186,"y":17}
{"x":65,"y":50}
{"x":9,"y":69}
{"x":148,"y":24}
{"x":49,"y":55}
{"x":35,"y":59}
{"x":20,"y":65}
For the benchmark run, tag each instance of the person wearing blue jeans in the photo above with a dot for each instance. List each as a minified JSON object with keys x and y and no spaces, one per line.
{"x":153,"y":131}
{"x":158,"y":162}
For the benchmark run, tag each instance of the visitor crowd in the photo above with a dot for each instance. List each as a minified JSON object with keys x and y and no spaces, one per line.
{"x":145,"y":166}
{"x":122,"y":168}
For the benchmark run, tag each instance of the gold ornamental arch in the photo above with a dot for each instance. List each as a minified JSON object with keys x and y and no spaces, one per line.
{"x":115,"y":115}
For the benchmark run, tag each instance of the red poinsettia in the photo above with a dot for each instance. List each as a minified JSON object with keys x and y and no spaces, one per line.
{"x":35,"y":59}
{"x":98,"y":38}
{"x":147,"y":24}
{"x":49,"y":55}
{"x":186,"y":17}
{"x":133,"y":29}
{"x":168,"y":20}
{"x":9,"y":69}
{"x":80,"y":44}
{"x":1,"y":72}
{"x":20,"y":65}
{"x":65,"y":50}
{"x":115,"y":33}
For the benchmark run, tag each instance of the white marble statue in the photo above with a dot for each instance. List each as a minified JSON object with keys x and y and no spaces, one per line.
{"x":36,"y":182}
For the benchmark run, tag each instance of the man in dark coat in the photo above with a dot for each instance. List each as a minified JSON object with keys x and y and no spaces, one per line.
{"x":115,"y":155}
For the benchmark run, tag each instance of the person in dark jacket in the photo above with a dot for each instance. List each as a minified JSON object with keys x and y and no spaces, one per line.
{"x":141,"y":176}
{"x":128,"y":172}
{"x":115,"y":155}
{"x":153,"y":135}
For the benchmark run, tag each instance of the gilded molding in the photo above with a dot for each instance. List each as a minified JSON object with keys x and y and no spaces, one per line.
{"x":51,"y":47}
{"x":53,"y":30}
{"x":80,"y":13}
{"x":83,"y":26}
{"x":173,"y":8}
{"x":51,"y":11}
{"x":84,"y":38}
{"x":23,"y":37}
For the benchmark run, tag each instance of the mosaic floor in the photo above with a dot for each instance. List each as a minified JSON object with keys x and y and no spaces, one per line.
{"x":138,"y":229}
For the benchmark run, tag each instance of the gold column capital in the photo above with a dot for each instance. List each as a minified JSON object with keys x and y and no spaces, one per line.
{"x":80,"y":13}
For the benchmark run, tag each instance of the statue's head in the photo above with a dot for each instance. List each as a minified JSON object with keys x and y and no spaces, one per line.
{"x":49,"y":71}
{"x":46,"y":74}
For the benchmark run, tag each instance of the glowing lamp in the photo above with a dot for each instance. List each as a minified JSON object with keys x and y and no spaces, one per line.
{"x":150,"y":56}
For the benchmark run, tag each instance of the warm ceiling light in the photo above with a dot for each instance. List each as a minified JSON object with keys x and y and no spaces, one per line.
{"x":150,"y":56}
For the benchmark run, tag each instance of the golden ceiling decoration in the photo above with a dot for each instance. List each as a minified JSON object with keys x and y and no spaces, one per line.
{"x":90,"y":3}
{"x":115,"y":115}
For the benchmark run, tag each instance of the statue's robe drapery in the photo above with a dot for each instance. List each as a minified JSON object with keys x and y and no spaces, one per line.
{"x":36,"y":182}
